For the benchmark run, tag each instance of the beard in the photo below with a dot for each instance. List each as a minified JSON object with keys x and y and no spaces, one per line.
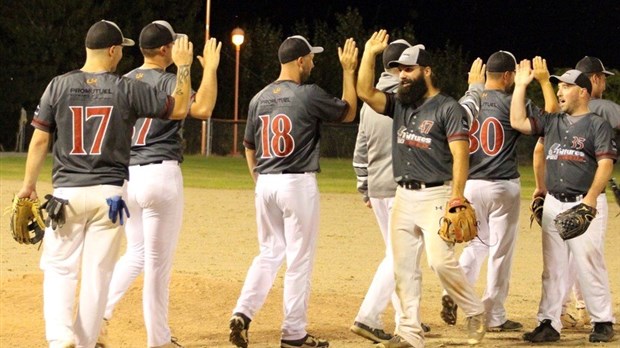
{"x":412,"y":93}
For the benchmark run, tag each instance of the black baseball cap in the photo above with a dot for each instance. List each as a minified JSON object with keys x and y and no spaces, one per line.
{"x":157,"y":34}
{"x":591,"y":65}
{"x":393,"y":51}
{"x":501,"y":61}
{"x":294,"y":47}
{"x":416,"y":55}
{"x":574,"y":77}
{"x":104,"y":34}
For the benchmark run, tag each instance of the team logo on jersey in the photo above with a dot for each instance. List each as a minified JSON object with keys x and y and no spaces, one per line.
{"x":426,"y":126}
{"x":277,"y":90}
{"x":557,"y":153}
{"x":410,"y":139}
{"x":92,"y":81}
{"x":139,"y":76}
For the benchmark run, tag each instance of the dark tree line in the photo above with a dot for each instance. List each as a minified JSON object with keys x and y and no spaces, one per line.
{"x":42,"y":39}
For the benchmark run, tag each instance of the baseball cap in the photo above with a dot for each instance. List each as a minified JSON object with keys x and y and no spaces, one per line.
{"x":416,"y":55}
{"x":104,"y":34}
{"x":157,"y":34}
{"x":393,"y":51}
{"x":574,"y":77}
{"x":294,"y":47}
{"x":501,"y":61}
{"x":590,"y":65}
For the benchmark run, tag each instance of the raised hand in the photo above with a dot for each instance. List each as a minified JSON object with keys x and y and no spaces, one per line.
{"x":348,"y":55}
{"x":524,"y":74}
{"x":477,"y":72}
{"x":210,"y":58}
{"x":377,"y":42}
{"x":541,"y":73}
{"x":182,"y":51}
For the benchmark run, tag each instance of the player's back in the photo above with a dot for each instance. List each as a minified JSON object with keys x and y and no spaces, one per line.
{"x":492,"y":145}
{"x":284,"y":126}
{"x":156,"y":139}
{"x":92,"y":115}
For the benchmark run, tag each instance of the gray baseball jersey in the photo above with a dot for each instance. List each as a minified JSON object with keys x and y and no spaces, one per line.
{"x":372,"y":157}
{"x":91,"y":116}
{"x":420,"y":149}
{"x":573,"y":147}
{"x":607,"y":109}
{"x":156,"y":140}
{"x":283,"y":126}
{"x":492,"y":141}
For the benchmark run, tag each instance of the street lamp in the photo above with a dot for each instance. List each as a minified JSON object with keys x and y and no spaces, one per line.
{"x":237,"y":40}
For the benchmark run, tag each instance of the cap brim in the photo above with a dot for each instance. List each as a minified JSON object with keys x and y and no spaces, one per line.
{"x":607,"y":72}
{"x":316,"y":49}
{"x":396,"y":63}
{"x":128,"y":42}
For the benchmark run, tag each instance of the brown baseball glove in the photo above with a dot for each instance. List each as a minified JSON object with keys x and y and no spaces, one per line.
{"x":27,"y":223}
{"x":575,"y":221}
{"x":536,"y":208}
{"x":459,"y":222}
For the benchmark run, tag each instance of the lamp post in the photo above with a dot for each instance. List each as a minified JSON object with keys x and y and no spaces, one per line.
{"x":206,"y":133}
{"x":237,"y":39}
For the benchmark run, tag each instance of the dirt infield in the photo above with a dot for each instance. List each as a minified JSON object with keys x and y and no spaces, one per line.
{"x":216,"y":247}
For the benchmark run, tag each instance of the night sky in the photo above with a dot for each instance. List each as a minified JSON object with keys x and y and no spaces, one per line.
{"x":561,"y":31}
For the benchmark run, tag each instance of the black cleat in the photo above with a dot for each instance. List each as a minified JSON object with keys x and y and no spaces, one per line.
{"x":602,"y":332}
{"x":543,"y":333}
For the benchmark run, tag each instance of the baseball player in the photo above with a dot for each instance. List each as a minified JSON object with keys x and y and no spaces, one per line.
{"x":610,"y":111}
{"x":282,"y":151}
{"x":157,"y":211}
{"x":89,"y":113}
{"x":580,"y":151}
{"x":430,"y":162}
{"x":372,"y":162}
{"x":494,"y":188}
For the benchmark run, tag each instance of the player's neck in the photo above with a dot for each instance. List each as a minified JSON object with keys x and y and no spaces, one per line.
{"x":289,"y":74}
{"x":93,"y":66}
{"x":153,"y":64}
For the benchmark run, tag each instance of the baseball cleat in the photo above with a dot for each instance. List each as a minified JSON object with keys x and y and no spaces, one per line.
{"x":308,"y":341}
{"x":425,"y":327}
{"x":375,"y":335}
{"x":395,"y":342}
{"x":507,"y":326}
{"x":543,"y":333}
{"x":448,"y":311}
{"x":476,"y":328}
{"x":602,"y":332}
{"x":239,"y":324}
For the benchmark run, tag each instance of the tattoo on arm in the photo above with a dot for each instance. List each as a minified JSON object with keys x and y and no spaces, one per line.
{"x":183,"y":74}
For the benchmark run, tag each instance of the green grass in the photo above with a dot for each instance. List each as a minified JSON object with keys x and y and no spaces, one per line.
{"x":336,"y":176}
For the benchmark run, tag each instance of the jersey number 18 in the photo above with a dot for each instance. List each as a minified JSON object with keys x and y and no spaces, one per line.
{"x":276,"y":136}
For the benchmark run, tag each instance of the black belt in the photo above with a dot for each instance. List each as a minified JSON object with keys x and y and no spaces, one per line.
{"x":416,"y":185}
{"x":566,"y":198}
{"x":154,"y":162}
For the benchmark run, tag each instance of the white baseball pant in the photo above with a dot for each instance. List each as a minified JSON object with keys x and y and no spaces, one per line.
{"x":497,"y":205}
{"x":155,"y":202}
{"x":415,"y":222}
{"x":589,"y":264}
{"x":287,"y":217}
{"x":381,"y":290}
{"x":85,"y":247}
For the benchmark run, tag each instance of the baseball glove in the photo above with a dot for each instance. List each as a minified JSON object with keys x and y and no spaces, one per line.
{"x":27,"y":223}
{"x":616,"y":190}
{"x":459,"y":222}
{"x":536,"y":207}
{"x":574,"y":222}
{"x":55,"y":208}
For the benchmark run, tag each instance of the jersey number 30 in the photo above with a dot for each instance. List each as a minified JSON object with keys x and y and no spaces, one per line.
{"x":490,"y":138}
{"x":80,"y":116}
{"x":276,"y":136}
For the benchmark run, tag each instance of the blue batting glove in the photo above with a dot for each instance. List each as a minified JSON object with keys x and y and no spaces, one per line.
{"x":117,"y":206}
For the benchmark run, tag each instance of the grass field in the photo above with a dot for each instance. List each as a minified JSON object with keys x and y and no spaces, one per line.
{"x":215,"y":172}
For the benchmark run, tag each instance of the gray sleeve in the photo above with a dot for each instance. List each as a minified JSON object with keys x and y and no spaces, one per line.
{"x":148,"y":101}
{"x":324,"y":106}
{"x":360,"y":157}
{"x":471,"y":101}
{"x":608,"y":110}
{"x":44,"y":114}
